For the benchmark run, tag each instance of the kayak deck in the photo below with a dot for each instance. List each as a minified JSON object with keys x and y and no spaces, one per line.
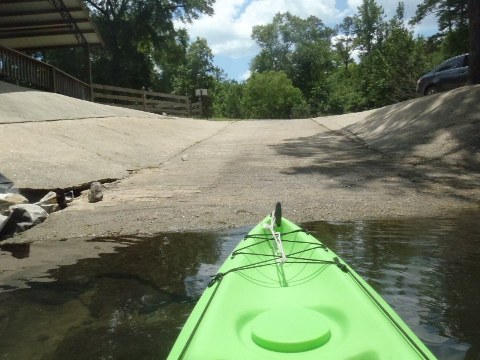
{"x":311,"y":306}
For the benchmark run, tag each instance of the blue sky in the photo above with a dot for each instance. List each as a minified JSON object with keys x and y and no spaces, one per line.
{"x":228,"y":30}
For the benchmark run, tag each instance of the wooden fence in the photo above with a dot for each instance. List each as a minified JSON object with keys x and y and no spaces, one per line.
{"x":144,"y":100}
{"x":196,"y":109}
{"x":26,"y":71}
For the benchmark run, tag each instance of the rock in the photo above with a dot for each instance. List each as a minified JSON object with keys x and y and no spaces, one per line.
{"x":3,"y":221}
{"x":9,"y":199}
{"x":23,"y":217}
{"x":7,"y":186}
{"x":48,"y":202}
{"x":28,"y":213}
{"x":50,"y":198}
{"x":49,"y":208}
{"x":95,"y":194}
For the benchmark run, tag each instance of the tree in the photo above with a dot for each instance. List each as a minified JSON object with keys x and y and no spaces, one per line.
{"x":452,"y":16}
{"x":136,"y":34}
{"x":270,"y":95}
{"x":369,"y":26}
{"x":474,"y":29}
{"x":396,"y":64}
{"x":345,"y":39}
{"x":228,"y":100}
{"x":299,"y":47}
{"x":452,"y":19}
{"x":198,"y":71}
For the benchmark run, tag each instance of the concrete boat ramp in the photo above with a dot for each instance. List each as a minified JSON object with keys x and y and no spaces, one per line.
{"x":416,"y":157}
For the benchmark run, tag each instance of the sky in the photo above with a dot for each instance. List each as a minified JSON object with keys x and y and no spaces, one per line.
{"x":228,"y":31}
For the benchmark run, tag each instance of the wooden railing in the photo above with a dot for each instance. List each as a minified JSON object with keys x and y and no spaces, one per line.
{"x":142,"y":100}
{"x":26,"y":71}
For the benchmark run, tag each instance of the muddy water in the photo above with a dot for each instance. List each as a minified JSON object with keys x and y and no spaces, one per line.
{"x":132,"y":303}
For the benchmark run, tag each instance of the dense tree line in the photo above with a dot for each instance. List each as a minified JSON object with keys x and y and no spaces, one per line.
{"x":304,"y":68}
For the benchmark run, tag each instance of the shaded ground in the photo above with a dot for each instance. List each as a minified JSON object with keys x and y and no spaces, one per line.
{"x":403,"y":160}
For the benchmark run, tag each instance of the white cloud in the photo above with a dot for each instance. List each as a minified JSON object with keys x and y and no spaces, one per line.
{"x":246,"y":75}
{"x":228,"y":31}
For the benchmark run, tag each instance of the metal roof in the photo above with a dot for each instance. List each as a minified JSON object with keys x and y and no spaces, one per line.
{"x":44,"y":24}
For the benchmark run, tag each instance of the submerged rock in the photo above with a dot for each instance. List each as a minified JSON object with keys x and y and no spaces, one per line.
{"x":95,"y":194}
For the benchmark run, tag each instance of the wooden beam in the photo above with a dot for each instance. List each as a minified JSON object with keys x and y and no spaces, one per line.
{"x":8,"y":14}
{"x":26,"y":34}
{"x":37,"y":24}
{"x":20,"y":1}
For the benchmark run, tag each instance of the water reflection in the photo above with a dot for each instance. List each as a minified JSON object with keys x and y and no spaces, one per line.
{"x":427,"y":269}
{"x":132,"y":304}
{"x":129,"y":304}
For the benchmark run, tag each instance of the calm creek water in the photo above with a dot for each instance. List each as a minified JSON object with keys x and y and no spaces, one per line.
{"x":131,"y":304}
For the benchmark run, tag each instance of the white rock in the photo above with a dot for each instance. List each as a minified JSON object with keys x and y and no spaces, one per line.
{"x":48,"y":202}
{"x":9,"y":199}
{"x":50,"y":198}
{"x":27,"y":215}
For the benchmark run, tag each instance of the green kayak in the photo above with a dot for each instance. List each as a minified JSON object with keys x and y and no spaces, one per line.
{"x":282,"y":294}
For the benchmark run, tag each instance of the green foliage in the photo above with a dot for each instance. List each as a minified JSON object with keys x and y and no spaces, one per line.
{"x":346,"y":94}
{"x":197,"y":71}
{"x":368,"y":26}
{"x":61,"y":58}
{"x":141,"y":42}
{"x":299,"y":71}
{"x":298,"y":47}
{"x":228,"y":100}
{"x":450,"y":13}
{"x":344,"y":45}
{"x":390,"y":71}
{"x":270,"y":95}
{"x":452,"y":18}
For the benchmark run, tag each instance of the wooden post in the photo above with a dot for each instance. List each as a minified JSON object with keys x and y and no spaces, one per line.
{"x":144,"y":99}
{"x":89,"y":71}
{"x":53,"y":79}
{"x":188,"y":108}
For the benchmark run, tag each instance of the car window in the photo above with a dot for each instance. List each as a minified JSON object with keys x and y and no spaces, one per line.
{"x":465,"y":62}
{"x":450,"y":64}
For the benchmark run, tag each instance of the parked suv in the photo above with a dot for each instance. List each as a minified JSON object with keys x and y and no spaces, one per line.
{"x":450,"y":74}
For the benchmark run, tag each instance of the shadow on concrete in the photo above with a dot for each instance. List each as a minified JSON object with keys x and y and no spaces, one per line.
{"x":444,"y":127}
{"x":427,"y":141}
{"x":9,"y":87}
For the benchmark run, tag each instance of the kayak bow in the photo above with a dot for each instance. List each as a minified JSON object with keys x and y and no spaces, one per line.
{"x":282,"y":294}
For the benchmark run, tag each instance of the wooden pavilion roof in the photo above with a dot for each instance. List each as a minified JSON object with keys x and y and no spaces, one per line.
{"x":46,"y":24}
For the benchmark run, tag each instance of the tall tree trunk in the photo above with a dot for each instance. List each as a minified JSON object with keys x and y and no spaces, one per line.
{"x":474,"y":30}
